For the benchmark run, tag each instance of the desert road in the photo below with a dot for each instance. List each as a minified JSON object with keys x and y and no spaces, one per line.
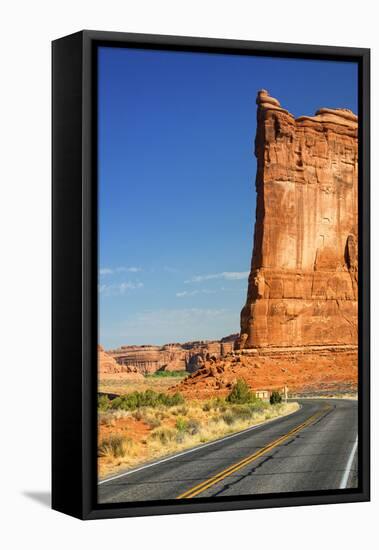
{"x":314,"y":448}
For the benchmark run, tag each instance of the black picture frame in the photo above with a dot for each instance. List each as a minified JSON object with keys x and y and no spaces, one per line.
{"x":74,"y":272}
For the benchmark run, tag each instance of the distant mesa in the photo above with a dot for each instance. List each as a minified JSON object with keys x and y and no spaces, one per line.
{"x":108,"y":365}
{"x":147,"y":359}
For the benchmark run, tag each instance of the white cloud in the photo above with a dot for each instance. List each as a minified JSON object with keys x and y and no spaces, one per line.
{"x":185,"y":293}
{"x":194,"y":292}
{"x":226,"y":275}
{"x":105,"y":271}
{"x":118,"y":289}
{"x":128,"y":269}
{"x":129,"y":286}
{"x":121,"y":269}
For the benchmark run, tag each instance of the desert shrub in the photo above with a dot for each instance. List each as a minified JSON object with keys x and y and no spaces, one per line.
{"x":115,"y":446}
{"x":180,"y":437}
{"x":172,"y":400}
{"x":193,"y":426}
{"x":217,"y":403}
{"x":164,"y":435}
{"x":240,"y":393}
{"x":103,"y":402}
{"x":118,"y":403}
{"x":153,"y":422}
{"x":242,"y":412}
{"x":148,"y":398}
{"x":106,"y":419}
{"x":181,"y":424}
{"x":229,"y":418}
{"x":168,"y":374}
{"x":138,"y":415}
{"x":257,"y":405}
{"x":275,"y":398}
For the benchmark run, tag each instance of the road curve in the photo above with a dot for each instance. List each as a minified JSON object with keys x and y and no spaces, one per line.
{"x":312,"y":449}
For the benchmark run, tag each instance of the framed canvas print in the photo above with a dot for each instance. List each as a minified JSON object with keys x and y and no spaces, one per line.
{"x":210,"y":275}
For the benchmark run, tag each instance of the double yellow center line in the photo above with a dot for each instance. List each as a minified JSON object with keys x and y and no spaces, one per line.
{"x":204,"y":485}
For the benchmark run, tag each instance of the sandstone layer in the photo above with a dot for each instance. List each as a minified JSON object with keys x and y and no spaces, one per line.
{"x":302,"y":287}
{"x":188,"y":356}
{"x":107,"y":365}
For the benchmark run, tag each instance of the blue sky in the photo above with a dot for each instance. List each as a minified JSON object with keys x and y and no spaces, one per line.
{"x":176,"y":183}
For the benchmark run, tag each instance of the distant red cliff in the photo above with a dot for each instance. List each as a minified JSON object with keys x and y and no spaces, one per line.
{"x":188,"y":356}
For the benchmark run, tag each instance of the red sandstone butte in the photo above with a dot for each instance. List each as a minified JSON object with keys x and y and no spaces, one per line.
{"x":299,"y":325}
{"x":303,"y":281}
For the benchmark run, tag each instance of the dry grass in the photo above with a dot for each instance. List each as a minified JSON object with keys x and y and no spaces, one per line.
{"x":149,"y":433}
{"x":116,"y":446}
{"x":118,"y":384}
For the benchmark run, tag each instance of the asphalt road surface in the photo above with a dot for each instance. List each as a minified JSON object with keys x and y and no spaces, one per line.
{"x":311,"y":449}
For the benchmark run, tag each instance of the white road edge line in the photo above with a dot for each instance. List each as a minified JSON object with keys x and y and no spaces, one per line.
{"x":349,"y":464}
{"x":196,"y":448}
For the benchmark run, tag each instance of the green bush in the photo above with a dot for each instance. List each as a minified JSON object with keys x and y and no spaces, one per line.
{"x":216,"y":403}
{"x":240,"y":393}
{"x":103,"y":402}
{"x":242,"y":412}
{"x":184,"y":426}
{"x":181,"y":424}
{"x":275,"y":398}
{"x":148,"y":398}
{"x":219,"y":403}
{"x":168,"y":374}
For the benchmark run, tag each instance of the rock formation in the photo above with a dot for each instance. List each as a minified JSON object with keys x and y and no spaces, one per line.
{"x":146,"y":359}
{"x":107,"y":365}
{"x":306,"y":370}
{"x":303,"y":281}
{"x":171,"y":357}
{"x":299,"y":324}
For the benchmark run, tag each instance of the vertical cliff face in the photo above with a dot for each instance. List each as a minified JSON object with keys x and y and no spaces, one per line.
{"x":303,"y":282}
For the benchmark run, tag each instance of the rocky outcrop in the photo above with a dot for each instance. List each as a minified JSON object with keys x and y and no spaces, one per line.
{"x":146,"y":359}
{"x":171,"y":357}
{"x":107,"y":365}
{"x":305,"y":370}
{"x":302,"y":287}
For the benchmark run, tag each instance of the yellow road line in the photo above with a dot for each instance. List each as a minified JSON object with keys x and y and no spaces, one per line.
{"x":204,"y":485}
